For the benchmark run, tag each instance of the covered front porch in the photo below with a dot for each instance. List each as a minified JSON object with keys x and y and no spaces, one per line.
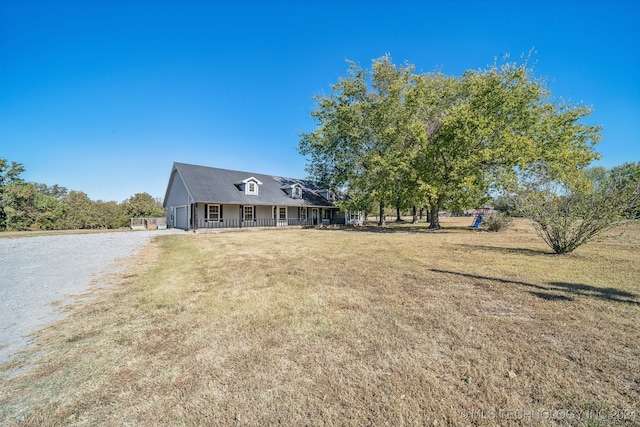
{"x":214,"y":215}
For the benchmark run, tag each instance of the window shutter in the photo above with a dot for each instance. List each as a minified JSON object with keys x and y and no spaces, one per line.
{"x":255,"y":209}
{"x":206,"y":211}
{"x":220,"y":213}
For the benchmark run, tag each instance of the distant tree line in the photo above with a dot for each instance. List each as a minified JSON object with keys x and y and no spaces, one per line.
{"x":35,"y":206}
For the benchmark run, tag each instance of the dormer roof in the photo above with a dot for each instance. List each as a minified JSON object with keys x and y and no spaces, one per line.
{"x":246,"y":180}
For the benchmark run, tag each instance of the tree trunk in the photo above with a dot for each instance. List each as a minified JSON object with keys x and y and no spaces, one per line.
{"x":381,"y":221}
{"x":414,"y":212}
{"x":398,"y":219}
{"x":434,"y":209}
{"x":421,"y":210}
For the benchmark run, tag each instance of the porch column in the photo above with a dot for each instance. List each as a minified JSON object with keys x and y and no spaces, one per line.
{"x":194,"y":212}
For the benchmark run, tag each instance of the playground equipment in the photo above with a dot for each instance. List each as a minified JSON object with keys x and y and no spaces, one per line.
{"x":479,"y":216}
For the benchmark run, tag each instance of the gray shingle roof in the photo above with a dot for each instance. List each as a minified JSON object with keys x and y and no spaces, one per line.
{"x":214,"y":185}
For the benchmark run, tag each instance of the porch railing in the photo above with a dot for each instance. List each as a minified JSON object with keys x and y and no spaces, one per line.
{"x":259,"y":222}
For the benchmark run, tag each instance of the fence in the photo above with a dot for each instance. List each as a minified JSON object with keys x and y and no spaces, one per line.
{"x":148,"y":223}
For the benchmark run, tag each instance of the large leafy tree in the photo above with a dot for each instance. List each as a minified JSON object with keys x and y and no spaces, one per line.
{"x":397,"y":137}
{"x":110,"y":215}
{"x":79,"y":212}
{"x":366,"y":129}
{"x":142,"y":205}
{"x":487,"y":125}
{"x":19,"y":205}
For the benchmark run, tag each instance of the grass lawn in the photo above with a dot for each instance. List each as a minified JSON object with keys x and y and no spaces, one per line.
{"x":399,"y":326}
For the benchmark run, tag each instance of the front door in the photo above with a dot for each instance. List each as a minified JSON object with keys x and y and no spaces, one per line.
{"x":314,"y":216}
{"x":282,"y":216}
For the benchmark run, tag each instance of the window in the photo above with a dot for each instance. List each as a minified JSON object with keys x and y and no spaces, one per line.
{"x":248,"y":213}
{"x":283,"y":213}
{"x":326,"y":214}
{"x":214,"y":212}
{"x":250,"y":185}
{"x":297,"y":192}
{"x":303,"y":213}
{"x":328,"y":194}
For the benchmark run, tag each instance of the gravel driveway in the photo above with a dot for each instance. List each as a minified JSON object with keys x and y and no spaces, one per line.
{"x":38,"y":271}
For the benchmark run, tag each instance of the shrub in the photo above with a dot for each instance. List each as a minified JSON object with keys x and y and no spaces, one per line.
{"x":496,"y":221}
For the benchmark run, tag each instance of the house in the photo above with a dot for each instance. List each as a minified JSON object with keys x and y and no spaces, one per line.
{"x":201,"y":197}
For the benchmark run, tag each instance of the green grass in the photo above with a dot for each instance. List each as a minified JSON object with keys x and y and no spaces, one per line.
{"x":401,"y":326}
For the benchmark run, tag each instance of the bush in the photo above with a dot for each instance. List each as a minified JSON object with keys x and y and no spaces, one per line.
{"x":569,"y":215}
{"x":496,"y":221}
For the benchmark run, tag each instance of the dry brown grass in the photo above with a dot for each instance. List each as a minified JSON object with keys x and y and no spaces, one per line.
{"x":402,"y":326}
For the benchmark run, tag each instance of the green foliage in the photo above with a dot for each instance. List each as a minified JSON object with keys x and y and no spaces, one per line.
{"x":9,"y":174}
{"x":110,"y":215}
{"x":19,"y":205}
{"x":78,"y":211}
{"x":143,"y":205}
{"x":627,"y":178}
{"x":485,"y":125}
{"x":38,"y":206}
{"x":569,"y":214}
{"x":506,"y":205}
{"x":51,"y":212}
{"x":393,"y":137}
{"x":366,"y":131}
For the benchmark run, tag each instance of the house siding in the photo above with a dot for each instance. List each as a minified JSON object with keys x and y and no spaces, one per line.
{"x":177,"y":194}
{"x":177,"y":203}
{"x":264,"y":212}
{"x":293,"y":212}
{"x":191,"y":188}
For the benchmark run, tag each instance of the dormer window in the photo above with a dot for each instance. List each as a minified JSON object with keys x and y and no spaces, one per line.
{"x":294,"y":191}
{"x":328,"y":195}
{"x":250,"y":186}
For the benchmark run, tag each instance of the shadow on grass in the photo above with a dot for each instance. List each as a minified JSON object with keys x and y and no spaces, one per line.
{"x":559,"y":291}
{"x":401,"y":228}
{"x":510,"y":251}
{"x":551,"y":297}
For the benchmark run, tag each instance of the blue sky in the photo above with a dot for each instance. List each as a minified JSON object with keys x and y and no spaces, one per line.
{"x":103,"y":96}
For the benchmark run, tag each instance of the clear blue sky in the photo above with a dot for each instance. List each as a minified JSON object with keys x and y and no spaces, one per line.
{"x":103,"y":96}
